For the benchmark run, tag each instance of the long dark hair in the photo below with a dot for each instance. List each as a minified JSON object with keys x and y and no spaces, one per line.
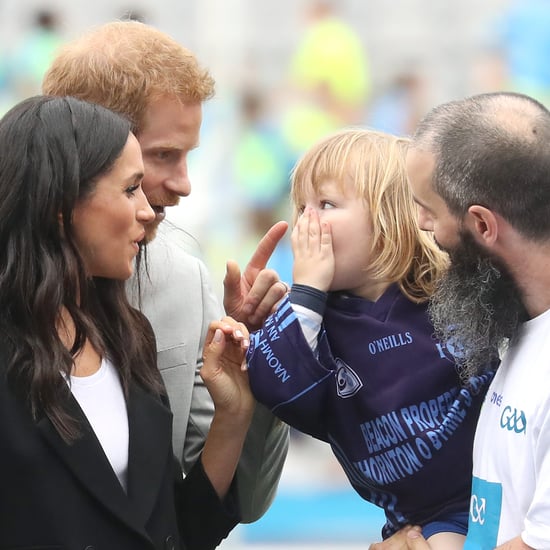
{"x":53,"y":150}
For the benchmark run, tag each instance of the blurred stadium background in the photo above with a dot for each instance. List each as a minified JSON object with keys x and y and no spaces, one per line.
{"x":277,"y":90}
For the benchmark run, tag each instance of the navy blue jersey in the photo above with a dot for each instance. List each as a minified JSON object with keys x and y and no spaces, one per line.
{"x":384,"y":393}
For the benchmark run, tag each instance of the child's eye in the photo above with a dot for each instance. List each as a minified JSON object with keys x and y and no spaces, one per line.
{"x":325,"y":205}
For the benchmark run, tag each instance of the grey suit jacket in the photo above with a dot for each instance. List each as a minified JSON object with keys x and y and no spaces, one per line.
{"x":178,"y":300}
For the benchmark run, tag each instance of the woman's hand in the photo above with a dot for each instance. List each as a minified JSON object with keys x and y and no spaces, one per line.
{"x":224,"y":368}
{"x":226,"y":378}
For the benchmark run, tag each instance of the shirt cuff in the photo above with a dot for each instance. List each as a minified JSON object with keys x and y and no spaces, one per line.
{"x":309,"y":297}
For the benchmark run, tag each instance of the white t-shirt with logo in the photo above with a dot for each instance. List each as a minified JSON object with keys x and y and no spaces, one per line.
{"x":511,"y":477}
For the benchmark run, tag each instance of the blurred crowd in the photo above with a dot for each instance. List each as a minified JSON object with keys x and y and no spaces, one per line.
{"x":328,"y":82}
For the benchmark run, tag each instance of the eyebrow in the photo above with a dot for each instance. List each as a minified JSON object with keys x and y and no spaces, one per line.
{"x":419,"y":202}
{"x":170,"y":147}
{"x":136,"y":176}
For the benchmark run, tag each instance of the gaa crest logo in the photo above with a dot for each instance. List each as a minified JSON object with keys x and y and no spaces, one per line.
{"x":347,"y":381}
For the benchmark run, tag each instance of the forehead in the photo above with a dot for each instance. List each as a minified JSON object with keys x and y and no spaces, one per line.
{"x":340,"y":185}
{"x":168,"y":119}
{"x":324,"y":188}
{"x":129,"y":164}
{"x":420,"y":166}
{"x":132,"y":151}
{"x":324,"y":181}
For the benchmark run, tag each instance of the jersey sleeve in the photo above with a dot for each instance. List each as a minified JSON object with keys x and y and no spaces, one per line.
{"x":284,"y":374}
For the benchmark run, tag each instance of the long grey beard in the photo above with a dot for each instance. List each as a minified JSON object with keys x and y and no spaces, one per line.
{"x":476,"y":309}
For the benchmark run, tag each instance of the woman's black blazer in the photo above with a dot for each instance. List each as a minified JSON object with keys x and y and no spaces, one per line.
{"x":55,"y":495}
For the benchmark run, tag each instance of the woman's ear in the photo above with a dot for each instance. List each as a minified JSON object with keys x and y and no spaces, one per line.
{"x":483,"y":224}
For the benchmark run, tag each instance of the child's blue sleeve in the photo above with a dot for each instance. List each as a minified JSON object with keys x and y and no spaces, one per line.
{"x":284,"y":374}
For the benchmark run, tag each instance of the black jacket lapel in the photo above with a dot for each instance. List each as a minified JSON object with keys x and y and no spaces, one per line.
{"x":150,"y":452}
{"x":87,"y":461}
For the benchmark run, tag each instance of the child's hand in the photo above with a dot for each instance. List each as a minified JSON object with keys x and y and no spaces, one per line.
{"x":312,"y":248}
{"x":224,"y":368}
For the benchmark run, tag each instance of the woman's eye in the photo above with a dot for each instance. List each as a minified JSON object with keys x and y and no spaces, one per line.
{"x":132,"y":189}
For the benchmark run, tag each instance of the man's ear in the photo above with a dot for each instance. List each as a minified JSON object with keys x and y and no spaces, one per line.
{"x":483,"y":224}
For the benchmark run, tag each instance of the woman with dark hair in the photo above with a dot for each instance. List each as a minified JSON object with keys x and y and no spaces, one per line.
{"x":86,"y":458}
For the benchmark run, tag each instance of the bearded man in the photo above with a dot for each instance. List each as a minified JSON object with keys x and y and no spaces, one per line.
{"x":479,"y":169}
